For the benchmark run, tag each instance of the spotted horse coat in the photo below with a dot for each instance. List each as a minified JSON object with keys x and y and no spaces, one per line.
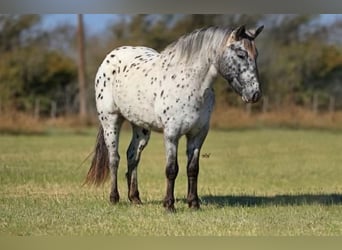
{"x":169,"y":92}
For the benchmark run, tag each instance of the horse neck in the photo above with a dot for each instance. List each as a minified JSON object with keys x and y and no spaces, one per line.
{"x":209,"y":78}
{"x":203,"y":64}
{"x":207,"y":73}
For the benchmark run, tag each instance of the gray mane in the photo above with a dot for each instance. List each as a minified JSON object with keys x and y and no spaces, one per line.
{"x":197,"y":44}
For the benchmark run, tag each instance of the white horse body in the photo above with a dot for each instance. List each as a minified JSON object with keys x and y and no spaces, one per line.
{"x":170,"y":92}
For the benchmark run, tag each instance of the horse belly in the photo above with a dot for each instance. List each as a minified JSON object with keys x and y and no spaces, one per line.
{"x":135,"y":100}
{"x":183,"y":116}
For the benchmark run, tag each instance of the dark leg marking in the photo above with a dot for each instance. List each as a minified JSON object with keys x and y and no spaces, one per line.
{"x":139,"y":141}
{"x":171,"y":171}
{"x":194,"y":145}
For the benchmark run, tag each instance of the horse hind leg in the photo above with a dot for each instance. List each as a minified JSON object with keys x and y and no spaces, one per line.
{"x":111,"y":124}
{"x":139,"y":141}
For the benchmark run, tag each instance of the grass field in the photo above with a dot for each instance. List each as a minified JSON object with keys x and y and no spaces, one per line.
{"x":255,"y":182}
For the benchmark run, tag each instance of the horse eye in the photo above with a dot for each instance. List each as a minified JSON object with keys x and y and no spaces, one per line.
{"x":241,"y":54}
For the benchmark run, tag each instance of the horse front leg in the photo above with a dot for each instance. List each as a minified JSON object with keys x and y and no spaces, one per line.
{"x":192,"y":172}
{"x":194,"y":144}
{"x":171,"y":146}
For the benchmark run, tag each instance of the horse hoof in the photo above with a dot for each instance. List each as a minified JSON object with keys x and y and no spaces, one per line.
{"x":169,"y":206}
{"x":194,"y":204}
{"x":170,"y":209}
{"x":114,"y":198}
{"x":136,"y":201}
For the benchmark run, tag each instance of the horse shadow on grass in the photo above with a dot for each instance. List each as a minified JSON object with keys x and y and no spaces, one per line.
{"x":281,"y":200}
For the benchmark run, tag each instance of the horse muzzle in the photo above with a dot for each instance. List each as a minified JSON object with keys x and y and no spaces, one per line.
{"x":251,"y":97}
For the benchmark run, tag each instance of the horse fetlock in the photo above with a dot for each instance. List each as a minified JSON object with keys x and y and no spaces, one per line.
{"x":135,"y":200}
{"x":114,"y":197}
{"x":134,"y":197}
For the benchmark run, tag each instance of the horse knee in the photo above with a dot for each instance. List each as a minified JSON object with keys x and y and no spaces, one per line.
{"x":193,"y":169}
{"x":172,"y":171}
{"x":193,"y":164}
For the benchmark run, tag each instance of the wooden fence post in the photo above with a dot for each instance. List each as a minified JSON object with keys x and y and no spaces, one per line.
{"x":315,"y":103}
{"x":53,"y":110}
{"x":277,"y":102}
{"x":248,"y":109}
{"x":265,"y":104}
{"x":331,"y":105}
{"x":36,"y":109}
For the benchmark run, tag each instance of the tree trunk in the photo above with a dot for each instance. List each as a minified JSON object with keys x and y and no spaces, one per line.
{"x":81,"y":68}
{"x":331,"y":105}
{"x":277,"y":102}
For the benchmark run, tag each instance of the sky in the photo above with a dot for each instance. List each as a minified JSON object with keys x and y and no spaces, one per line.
{"x":97,"y":23}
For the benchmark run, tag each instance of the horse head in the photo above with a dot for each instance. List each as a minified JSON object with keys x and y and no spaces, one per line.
{"x":237,"y":63}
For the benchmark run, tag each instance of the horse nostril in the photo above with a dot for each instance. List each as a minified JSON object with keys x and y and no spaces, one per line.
{"x":256,"y":96}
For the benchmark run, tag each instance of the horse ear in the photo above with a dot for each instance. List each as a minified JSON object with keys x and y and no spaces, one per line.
{"x":240,"y":32}
{"x":258,"y":30}
{"x":237,"y":34}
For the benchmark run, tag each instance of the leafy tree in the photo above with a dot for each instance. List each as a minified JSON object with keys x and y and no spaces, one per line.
{"x":30,"y":69}
{"x":16,"y":31}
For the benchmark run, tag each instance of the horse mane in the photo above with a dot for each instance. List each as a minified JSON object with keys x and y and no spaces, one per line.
{"x":198,"y":43}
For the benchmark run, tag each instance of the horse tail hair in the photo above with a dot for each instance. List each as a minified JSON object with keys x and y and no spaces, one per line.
{"x":99,"y":168}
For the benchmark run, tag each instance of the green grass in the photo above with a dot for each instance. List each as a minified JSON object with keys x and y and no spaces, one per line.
{"x":255,"y":182}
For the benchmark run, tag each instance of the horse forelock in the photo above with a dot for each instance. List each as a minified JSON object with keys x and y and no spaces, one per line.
{"x":250,"y":47}
{"x":198,"y":43}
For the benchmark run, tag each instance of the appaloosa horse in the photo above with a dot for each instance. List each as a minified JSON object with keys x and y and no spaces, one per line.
{"x":169,"y":92}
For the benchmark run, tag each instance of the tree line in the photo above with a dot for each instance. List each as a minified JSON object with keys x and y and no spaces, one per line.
{"x":300,"y":59}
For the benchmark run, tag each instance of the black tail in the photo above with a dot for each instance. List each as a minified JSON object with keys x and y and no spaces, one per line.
{"x":99,"y":168}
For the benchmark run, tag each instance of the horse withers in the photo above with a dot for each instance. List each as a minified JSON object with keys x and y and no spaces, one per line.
{"x":169,"y":92}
